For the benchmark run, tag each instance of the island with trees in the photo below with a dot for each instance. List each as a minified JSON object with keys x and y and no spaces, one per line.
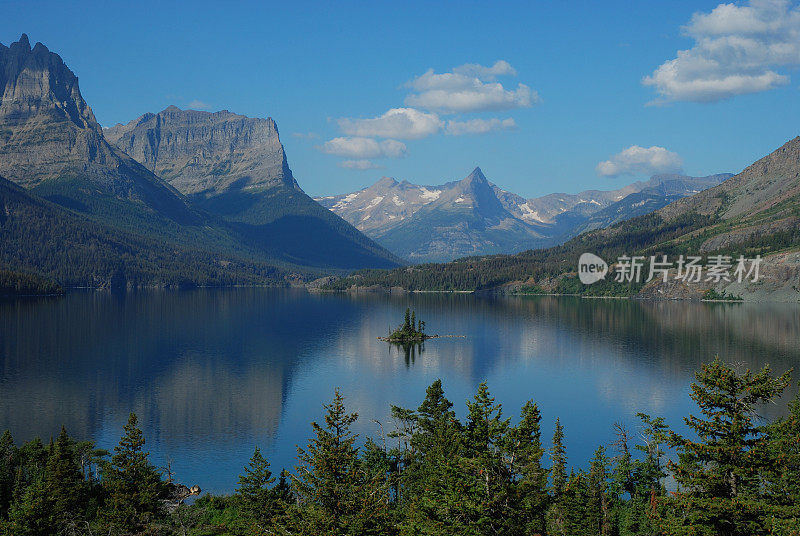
{"x":410,"y":332}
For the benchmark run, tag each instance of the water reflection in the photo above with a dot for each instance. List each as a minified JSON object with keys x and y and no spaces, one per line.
{"x":214,"y":372}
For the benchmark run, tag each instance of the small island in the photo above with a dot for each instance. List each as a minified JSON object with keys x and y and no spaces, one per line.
{"x":410,"y":332}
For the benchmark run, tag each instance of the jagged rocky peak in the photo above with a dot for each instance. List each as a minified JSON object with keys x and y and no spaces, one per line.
{"x":205,"y":153}
{"x":47,"y":130}
{"x":37,"y":81}
{"x":476,"y":176}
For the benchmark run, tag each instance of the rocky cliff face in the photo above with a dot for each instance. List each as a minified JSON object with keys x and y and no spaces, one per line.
{"x":476,"y":217}
{"x":52,"y":145}
{"x":202,"y":153}
{"x":49,"y":136}
{"x":235,"y":167}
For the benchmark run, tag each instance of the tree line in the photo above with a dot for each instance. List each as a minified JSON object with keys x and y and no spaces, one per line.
{"x":735,"y":474}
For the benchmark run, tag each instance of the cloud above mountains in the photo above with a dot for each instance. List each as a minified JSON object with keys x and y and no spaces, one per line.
{"x":402,"y":123}
{"x":479,"y":126}
{"x":738,"y":49}
{"x":469,"y":88}
{"x":364,"y":148}
{"x":466,"y":89}
{"x":641,"y":162}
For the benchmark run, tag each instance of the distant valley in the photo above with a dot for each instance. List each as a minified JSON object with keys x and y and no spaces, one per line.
{"x":475,"y":217}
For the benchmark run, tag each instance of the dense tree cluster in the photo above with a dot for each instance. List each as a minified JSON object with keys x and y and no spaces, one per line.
{"x":411,"y":330}
{"x":19,"y":284}
{"x":734,"y":475}
{"x":646,"y":235}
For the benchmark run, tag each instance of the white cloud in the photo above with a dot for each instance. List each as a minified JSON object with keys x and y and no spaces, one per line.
{"x":500,"y":68}
{"x":402,"y":123}
{"x":469,"y":88}
{"x":359,"y":164}
{"x":363,"y":148}
{"x":737,"y":50}
{"x":198,"y":105}
{"x":641,"y":161}
{"x":479,"y":126}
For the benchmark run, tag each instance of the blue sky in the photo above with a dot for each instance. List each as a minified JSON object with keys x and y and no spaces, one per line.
{"x":581,"y":66}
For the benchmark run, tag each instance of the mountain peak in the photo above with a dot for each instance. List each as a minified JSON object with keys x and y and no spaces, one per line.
{"x":476,"y":175}
{"x":386,"y":182}
{"x":22,"y":43}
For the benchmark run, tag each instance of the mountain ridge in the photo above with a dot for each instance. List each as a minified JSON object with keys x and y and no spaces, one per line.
{"x":754,"y":213}
{"x":52,"y":145}
{"x":235,"y":167}
{"x":474,"y":216}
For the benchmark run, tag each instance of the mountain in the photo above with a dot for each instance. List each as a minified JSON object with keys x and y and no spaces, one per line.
{"x":756,"y":212}
{"x":51,"y":144}
{"x":426,"y":223}
{"x":235,"y":167}
{"x":476,"y":217}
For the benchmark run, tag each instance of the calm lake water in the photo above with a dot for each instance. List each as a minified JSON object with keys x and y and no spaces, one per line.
{"x":213,"y":373}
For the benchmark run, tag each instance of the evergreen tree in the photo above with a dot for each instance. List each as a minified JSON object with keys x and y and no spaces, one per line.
{"x":558,"y":457}
{"x":531,"y":499}
{"x":720,"y":473}
{"x":283,"y":489}
{"x":485,"y":447}
{"x":335,"y":495}
{"x":64,"y":485}
{"x":647,"y":474}
{"x":556,"y":515}
{"x":133,"y":484}
{"x":8,"y":465}
{"x":31,"y":511}
{"x":255,"y":491}
{"x":783,"y":473}
{"x":436,"y":481}
{"x":597,"y":506}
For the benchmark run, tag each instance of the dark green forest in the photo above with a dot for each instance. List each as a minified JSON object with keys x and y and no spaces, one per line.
{"x":644,"y":235}
{"x":735,"y":474}
{"x":19,"y":284}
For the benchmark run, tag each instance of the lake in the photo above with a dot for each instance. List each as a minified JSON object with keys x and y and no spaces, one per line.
{"x":213,"y":373}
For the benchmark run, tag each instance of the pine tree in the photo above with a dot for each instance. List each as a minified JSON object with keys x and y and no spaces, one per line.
{"x":556,"y":515}
{"x":8,"y":465}
{"x":720,"y":473}
{"x":255,"y":492}
{"x":783,"y":474}
{"x":558,"y":457}
{"x":64,"y":484}
{"x":31,"y":511}
{"x":597,"y":507}
{"x":531,"y":499}
{"x":485,"y":446}
{"x":335,"y":496}
{"x":436,"y":481}
{"x":133,"y":484}
{"x":647,"y":474}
